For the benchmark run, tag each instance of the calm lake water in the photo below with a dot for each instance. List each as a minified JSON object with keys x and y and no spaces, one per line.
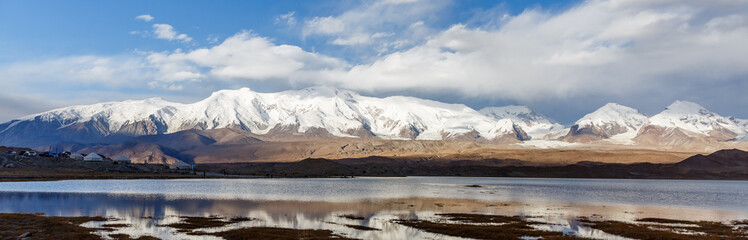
{"x":318,"y":203}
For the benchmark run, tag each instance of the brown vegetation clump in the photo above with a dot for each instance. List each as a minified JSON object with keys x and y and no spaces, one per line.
{"x":115,"y":225}
{"x":483,"y":227}
{"x":36,"y":226}
{"x":479,"y":218}
{"x":272,"y":233}
{"x":357,"y":227}
{"x":189,"y":224}
{"x":351,"y":217}
{"x":361,"y":227}
{"x":122,"y":236}
{"x":653,"y":228}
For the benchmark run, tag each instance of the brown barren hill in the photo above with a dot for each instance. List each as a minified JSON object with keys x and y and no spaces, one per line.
{"x":727,"y":160}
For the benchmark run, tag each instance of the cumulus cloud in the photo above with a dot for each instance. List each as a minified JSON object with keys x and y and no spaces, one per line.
{"x":609,"y":47}
{"x":167,"y":32}
{"x":244,"y":56}
{"x":145,"y":18}
{"x":324,"y":25}
{"x":384,"y":24}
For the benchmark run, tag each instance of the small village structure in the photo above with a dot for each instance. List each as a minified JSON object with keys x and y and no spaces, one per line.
{"x":77,"y":156}
{"x":122,"y":159}
{"x":93,"y":157}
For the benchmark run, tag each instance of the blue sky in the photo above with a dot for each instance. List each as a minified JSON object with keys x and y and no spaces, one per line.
{"x":48,"y":29}
{"x":561,"y":58}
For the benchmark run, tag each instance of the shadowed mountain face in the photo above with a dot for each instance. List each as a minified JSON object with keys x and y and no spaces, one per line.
{"x":725,"y":164}
{"x":169,"y":148}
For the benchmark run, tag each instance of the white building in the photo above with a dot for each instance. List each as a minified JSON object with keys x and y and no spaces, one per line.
{"x":122,"y":159}
{"x":76,"y":156}
{"x":93,"y":157}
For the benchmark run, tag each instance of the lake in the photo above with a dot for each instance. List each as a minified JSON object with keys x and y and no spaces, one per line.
{"x":319,"y":203}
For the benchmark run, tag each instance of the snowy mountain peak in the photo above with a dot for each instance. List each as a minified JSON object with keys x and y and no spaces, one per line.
{"x":231,"y":93}
{"x":615,"y":106}
{"x":327,"y":92}
{"x":686,"y":107}
{"x":695,"y":122}
{"x":611,"y":121}
{"x":535,"y":125}
{"x":515,"y":113}
{"x":695,"y":118}
{"x":509,"y":109}
{"x":614,"y":113}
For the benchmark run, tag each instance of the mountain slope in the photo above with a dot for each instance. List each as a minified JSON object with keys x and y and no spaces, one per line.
{"x":609,"y":121}
{"x":307,"y":113}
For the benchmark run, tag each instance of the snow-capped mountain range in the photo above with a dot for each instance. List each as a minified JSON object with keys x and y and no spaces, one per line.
{"x":327,"y":112}
{"x":697,"y":119}
{"x":680,"y":123}
{"x":311,"y":112}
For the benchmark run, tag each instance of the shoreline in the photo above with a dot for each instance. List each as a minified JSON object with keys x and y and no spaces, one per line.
{"x":721,"y":165}
{"x":31,"y":178}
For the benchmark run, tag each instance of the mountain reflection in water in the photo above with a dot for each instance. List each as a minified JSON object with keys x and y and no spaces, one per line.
{"x":146,"y":210}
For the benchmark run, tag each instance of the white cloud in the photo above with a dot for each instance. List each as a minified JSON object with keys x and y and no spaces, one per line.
{"x":361,"y":38}
{"x":145,"y":18}
{"x":77,"y":71}
{"x":599,"y":47}
{"x":167,"y":32}
{"x":324,"y":25}
{"x":378,"y":23}
{"x":287,"y":18}
{"x":245,"y":57}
